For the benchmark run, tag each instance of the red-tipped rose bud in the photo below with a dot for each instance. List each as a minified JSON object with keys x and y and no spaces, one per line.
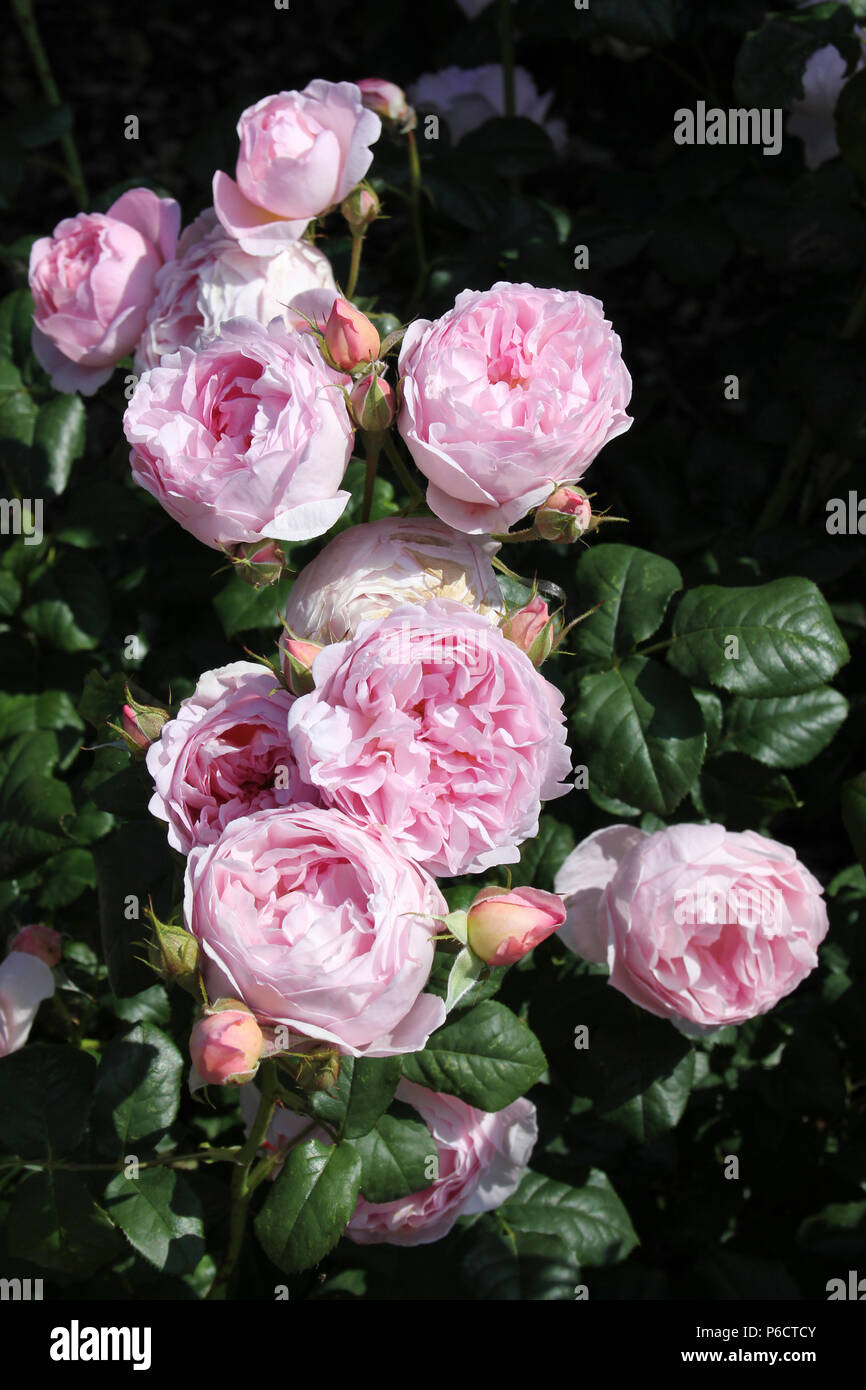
{"x":298,"y":658}
{"x":140,"y":725}
{"x":41,"y":941}
{"x":225,"y":1045}
{"x":259,"y":563}
{"x":389,"y":102}
{"x":565,"y":516}
{"x":372,"y":402}
{"x":506,"y":924}
{"x":360,"y":208}
{"x":350,"y":338}
{"x":531,"y":629}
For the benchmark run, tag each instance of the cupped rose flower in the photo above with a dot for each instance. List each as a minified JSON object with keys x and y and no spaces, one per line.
{"x":41,"y":941}
{"x":511,"y":392}
{"x":25,"y":981}
{"x":699,"y":924}
{"x":300,"y":153}
{"x":482,"y":1158}
{"x":212,"y":280}
{"x":430,"y":723}
{"x":503,"y":925}
{"x":225,"y":754}
{"x":225,"y":1045}
{"x":367,"y":571}
{"x":248,"y":437}
{"x":93,"y":281}
{"x":320,"y":924}
{"x":467,"y":97}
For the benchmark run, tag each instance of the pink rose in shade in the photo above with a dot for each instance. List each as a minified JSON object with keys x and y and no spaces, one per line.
{"x":430,"y":723}
{"x":300,"y":153}
{"x":247,"y":438}
{"x":702,"y":925}
{"x":482,"y":1157}
{"x":320,"y":924}
{"x":513,"y":391}
{"x":225,"y":1045}
{"x":93,"y":281}
{"x":25,"y":981}
{"x":367,"y":571}
{"x":41,"y":941}
{"x":505,"y":925}
{"x":213,"y":280}
{"x":226,"y":753}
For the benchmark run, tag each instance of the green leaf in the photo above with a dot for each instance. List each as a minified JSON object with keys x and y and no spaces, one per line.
{"x":851,"y":124}
{"x":150,"y":1006}
{"x":161,"y":1217}
{"x":659,"y":1105}
{"x":785,"y":732}
{"x":487,"y":1057}
{"x":32,"y":802}
{"x":854,"y":814}
{"x":634,"y":588}
{"x":10,"y":594}
{"x":137,"y":1090}
{"x":309,"y":1205}
{"x":510,"y":146}
{"x":17,"y":408}
{"x":836,"y":1233}
{"x":59,"y":433}
{"x":773,"y":639}
{"x":770,"y":64}
{"x":101,"y":698}
{"x":364,"y":1090}
{"x":70,"y":609}
{"x":240,"y":607}
{"x":133,"y":864}
{"x":542,"y":857}
{"x":45,"y":1094}
{"x":464,"y":972}
{"x":643,"y":734}
{"x":398,"y":1157}
{"x":636,"y":21}
{"x":524,"y":1266}
{"x":24,"y":714}
{"x":591,"y":1220}
{"x":16,"y":324}
{"x":56,"y":1223}
{"x":65,"y":876}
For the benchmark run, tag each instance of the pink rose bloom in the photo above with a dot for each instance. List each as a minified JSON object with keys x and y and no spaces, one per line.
{"x":321,"y":925}
{"x":431,"y":723}
{"x":513,"y":391}
{"x":367,"y":571}
{"x":247,"y":438}
{"x":213,"y":280}
{"x":25,"y":981}
{"x":225,"y":754}
{"x":467,"y":97}
{"x":482,"y":1157}
{"x":699,"y":924}
{"x":93,"y":281}
{"x":301,"y":152}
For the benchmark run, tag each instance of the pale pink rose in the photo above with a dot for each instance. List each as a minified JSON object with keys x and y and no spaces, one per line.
{"x":39,"y":940}
{"x":225,"y":753}
{"x":467,"y":97}
{"x":93,"y":281}
{"x":504,"y":925}
{"x":25,"y":981}
{"x":225,"y":1045}
{"x":513,"y":391}
{"x":482,"y":1158}
{"x":213,"y":280}
{"x":248,"y":437}
{"x":581,"y":882}
{"x":812,"y":115}
{"x":300,"y":153}
{"x":702,"y":925}
{"x":320,"y":924}
{"x":430,"y":723}
{"x":367,"y":571}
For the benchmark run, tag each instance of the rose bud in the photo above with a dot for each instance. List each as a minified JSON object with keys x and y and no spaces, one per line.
{"x":360,"y":209}
{"x":350,"y":338}
{"x":298,"y":665}
{"x":506,"y":924}
{"x":38,"y":940}
{"x":565,"y":516}
{"x":225,"y":1045}
{"x":372,"y":402}
{"x":389,"y":103}
{"x":259,"y":563}
{"x":140,"y":725}
{"x":531,"y":629}
{"x":174,"y":953}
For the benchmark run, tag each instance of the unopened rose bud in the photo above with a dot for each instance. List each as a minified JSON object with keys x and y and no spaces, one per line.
{"x":225,"y":1045}
{"x":316,"y":1069}
{"x":506,"y":924}
{"x":38,"y":940}
{"x":360,"y":208}
{"x":531,"y":629}
{"x":389,"y":102}
{"x":350,"y":338}
{"x":372,"y":402}
{"x":174,"y":953}
{"x":140,"y":725}
{"x":259,"y":563}
{"x":298,"y":664}
{"x":565,"y":516}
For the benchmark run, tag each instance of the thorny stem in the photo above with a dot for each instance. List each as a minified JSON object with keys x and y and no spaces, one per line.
{"x":23,"y":10}
{"x":161,"y":1161}
{"x":373,"y":448}
{"x":354,"y":264}
{"x":402,"y":471}
{"x":506,"y":537}
{"x":417,"y":226}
